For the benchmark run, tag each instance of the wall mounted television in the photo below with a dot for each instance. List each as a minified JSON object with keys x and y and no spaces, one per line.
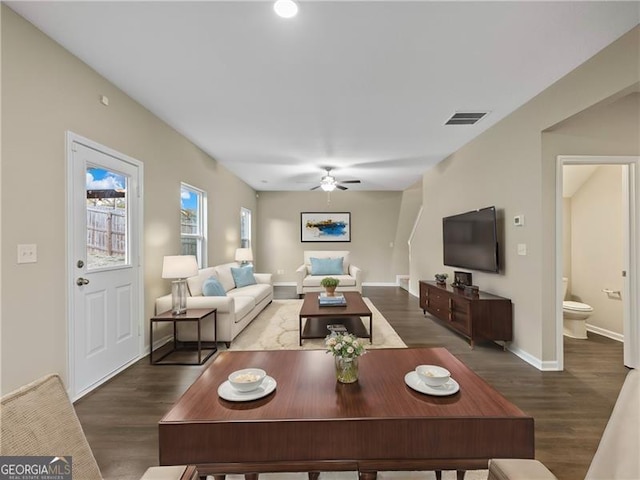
{"x":470,"y":240}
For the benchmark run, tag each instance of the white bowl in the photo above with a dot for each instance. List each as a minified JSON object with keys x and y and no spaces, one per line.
{"x":433,"y":375}
{"x":247,"y":379}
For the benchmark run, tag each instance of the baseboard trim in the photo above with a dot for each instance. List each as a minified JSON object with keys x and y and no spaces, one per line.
{"x":606,"y":333}
{"x":544,"y":366}
{"x":284,"y":284}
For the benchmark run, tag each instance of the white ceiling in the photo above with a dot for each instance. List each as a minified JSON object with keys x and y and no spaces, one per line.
{"x":362,"y":86}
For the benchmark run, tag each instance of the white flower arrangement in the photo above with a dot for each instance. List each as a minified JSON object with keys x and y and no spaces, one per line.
{"x":344,"y":345}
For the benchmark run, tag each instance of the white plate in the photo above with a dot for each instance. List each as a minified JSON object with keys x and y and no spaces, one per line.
{"x":226,"y":391}
{"x":413,"y":380}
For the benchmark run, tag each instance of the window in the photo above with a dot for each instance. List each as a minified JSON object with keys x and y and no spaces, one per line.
{"x":245,"y":228}
{"x":193,"y":223}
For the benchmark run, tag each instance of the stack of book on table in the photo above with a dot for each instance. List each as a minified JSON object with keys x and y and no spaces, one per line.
{"x":326,"y":301}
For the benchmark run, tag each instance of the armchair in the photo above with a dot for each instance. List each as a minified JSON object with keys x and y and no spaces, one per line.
{"x":350,"y":277}
{"x":39,"y":419}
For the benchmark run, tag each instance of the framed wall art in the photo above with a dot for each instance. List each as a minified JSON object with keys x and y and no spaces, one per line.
{"x":325,"y":226}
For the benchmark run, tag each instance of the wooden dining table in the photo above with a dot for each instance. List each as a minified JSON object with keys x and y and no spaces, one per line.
{"x":311,"y":423}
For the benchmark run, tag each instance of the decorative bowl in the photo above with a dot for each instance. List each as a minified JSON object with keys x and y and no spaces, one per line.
{"x":433,"y":375}
{"x":247,"y":379}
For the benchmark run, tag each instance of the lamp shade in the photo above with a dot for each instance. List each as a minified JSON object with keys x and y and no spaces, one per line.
{"x":244,"y":255}
{"x":179,"y":266}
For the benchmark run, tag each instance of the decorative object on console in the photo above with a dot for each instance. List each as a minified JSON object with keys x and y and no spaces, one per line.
{"x":461,"y":279}
{"x":330,"y":284}
{"x":325,"y":227}
{"x":346,"y":349}
{"x":471,"y":290}
{"x":244,"y":256}
{"x":179,"y":267}
{"x":441,"y":278}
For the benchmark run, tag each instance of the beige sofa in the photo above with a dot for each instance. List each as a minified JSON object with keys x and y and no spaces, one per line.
{"x":617,"y":455}
{"x":235,"y":310}
{"x":350,"y":279}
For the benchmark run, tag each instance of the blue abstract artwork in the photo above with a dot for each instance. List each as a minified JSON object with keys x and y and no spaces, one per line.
{"x":325,"y":227}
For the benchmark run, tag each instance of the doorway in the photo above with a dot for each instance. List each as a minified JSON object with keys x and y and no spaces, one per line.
{"x":105,"y":308}
{"x":630,"y":236}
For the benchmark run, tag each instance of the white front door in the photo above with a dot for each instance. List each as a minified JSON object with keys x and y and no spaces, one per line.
{"x":104,"y":208}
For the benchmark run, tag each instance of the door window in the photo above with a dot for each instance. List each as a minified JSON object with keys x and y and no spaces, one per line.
{"x":107,"y":225}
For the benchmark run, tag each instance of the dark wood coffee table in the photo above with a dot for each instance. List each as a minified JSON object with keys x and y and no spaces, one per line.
{"x":311,"y":423}
{"x":317,"y":317}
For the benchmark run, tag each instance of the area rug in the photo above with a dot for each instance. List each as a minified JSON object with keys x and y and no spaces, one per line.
{"x":276,"y":328}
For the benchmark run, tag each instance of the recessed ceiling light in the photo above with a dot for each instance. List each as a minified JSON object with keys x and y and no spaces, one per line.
{"x":286,"y":8}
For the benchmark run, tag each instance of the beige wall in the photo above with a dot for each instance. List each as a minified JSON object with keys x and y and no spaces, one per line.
{"x":506,"y":166}
{"x":409,"y":209}
{"x":374,"y":223}
{"x":566,"y":237}
{"x":45,"y":92}
{"x":596,"y":246}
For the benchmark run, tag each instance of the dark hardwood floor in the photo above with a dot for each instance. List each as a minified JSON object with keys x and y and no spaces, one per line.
{"x":570,"y":408}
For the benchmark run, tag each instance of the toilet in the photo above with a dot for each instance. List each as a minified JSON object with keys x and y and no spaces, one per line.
{"x":574,"y":315}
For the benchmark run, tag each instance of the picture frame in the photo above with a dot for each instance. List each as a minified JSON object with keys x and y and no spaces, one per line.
{"x":325,"y":227}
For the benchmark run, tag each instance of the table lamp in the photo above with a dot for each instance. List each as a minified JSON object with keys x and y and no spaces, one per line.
{"x":179,"y":267}
{"x":244,"y":256}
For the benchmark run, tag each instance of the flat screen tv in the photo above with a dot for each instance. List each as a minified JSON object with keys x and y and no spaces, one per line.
{"x":470,"y":240}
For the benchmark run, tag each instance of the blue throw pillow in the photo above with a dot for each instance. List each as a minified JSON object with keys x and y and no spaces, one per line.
{"x":213,"y":288}
{"x":326,"y":266}
{"x":243,"y":276}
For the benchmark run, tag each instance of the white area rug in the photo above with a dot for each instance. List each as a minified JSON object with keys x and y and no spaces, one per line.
{"x":276,"y":328}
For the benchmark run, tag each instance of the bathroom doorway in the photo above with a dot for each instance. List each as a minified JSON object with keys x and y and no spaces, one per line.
{"x":614,"y":291}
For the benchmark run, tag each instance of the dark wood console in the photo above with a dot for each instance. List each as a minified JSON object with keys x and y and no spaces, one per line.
{"x":480,"y":316}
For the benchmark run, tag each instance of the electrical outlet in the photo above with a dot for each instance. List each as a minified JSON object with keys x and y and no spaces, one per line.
{"x":280,"y":272}
{"x":28,"y":253}
{"x":522,"y":249}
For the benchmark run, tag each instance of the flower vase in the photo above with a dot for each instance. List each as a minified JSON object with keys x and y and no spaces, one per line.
{"x":331,"y":291}
{"x":346,"y":369}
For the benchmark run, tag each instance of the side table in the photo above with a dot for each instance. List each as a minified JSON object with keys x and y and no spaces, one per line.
{"x":191,"y":315}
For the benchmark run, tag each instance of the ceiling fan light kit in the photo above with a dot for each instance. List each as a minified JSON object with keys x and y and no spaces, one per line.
{"x":286,"y":8}
{"x":328,"y":182}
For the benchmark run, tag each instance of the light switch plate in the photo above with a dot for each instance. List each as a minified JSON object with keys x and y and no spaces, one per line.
{"x":27,"y":253}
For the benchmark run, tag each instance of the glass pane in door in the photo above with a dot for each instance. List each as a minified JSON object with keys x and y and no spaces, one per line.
{"x":106,"y":218}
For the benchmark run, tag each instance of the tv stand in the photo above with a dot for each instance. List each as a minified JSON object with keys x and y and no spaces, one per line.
{"x":480,"y":316}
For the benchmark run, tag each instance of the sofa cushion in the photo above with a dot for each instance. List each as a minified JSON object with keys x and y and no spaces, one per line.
{"x":345,"y":254}
{"x":314,"y":280}
{"x":213,"y":288}
{"x":223,"y":273}
{"x":243,"y":276}
{"x":195,"y":283}
{"x":326,"y":266}
{"x":258,"y":291}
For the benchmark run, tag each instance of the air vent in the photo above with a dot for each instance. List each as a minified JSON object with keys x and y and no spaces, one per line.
{"x":465,"y":118}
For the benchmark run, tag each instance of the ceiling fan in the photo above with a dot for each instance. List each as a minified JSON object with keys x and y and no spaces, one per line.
{"x":328,"y":182}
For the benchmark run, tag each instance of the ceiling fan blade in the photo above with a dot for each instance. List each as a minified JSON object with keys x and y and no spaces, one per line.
{"x":351,"y":181}
{"x":317,"y":186}
{"x":341,"y":187}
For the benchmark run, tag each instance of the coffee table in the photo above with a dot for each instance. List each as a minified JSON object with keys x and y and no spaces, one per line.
{"x":319,"y":317}
{"x":311,"y":423}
